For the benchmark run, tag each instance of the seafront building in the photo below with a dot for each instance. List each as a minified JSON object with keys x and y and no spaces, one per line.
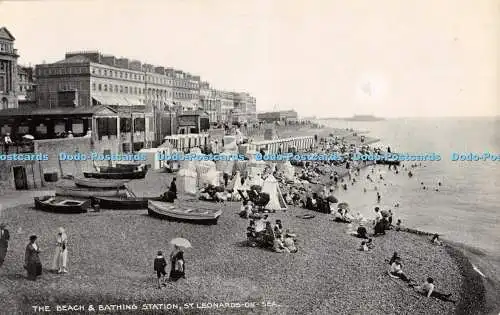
{"x":278,"y":116}
{"x":8,"y":70}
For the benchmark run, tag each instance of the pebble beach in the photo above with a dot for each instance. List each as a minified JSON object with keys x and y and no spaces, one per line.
{"x":111,"y":253}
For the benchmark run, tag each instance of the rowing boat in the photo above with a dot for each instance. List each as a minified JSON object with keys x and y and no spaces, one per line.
{"x":174,"y":212}
{"x":61,"y":204}
{"x":88,"y":192}
{"x":100,"y":183}
{"x":123,"y":203}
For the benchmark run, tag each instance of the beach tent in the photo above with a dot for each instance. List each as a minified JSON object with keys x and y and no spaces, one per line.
{"x":209,"y":178}
{"x":276,"y":200}
{"x":186,"y":181}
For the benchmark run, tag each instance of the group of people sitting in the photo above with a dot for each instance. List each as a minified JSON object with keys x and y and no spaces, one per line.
{"x":261,"y":232}
{"x":427,"y":288}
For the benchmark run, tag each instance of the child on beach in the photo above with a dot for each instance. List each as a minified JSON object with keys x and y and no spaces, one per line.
{"x":435,"y":240}
{"x":428,"y":289}
{"x":159,"y":266}
{"x":398,"y":225}
{"x":363,"y":247}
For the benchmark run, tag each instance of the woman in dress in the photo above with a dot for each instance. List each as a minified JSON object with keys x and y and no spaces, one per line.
{"x":60,"y":261}
{"x":32,"y":262}
{"x":178,"y":267}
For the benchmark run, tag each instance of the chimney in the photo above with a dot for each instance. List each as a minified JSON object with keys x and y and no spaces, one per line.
{"x":108,"y":60}
{"x":93,"y":56}
{"x":135,"y":65}
{"x":122,"y":63}
{"x":160,"y":70}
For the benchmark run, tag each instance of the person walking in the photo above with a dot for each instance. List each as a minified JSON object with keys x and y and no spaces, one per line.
{"x":4,"y":242}
{"x":178,"y":266}
{"x":59,"y":264}
{"x":32,"y":262}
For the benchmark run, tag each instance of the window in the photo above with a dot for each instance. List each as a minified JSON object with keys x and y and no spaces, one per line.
{"x":121,"y":88}
{"x":135,"y":90}
{"x":106,"y":127}
{"x":126,"y":75}
{"x":99,"y":71}
{"x":77,"y":126}
{"x":105,"y":72}
{"x":121,"y":74}
{"x":105,"y":87}
{"x":93,"y":70}
{"x":116,"y":88}
{"x":100,"y":87}
{"x":126,"y":89}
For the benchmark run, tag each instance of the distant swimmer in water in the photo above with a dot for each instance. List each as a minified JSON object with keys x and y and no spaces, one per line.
{"x":439,"y":183}
{"x":410,"y":174}
{"x":396,"y":205}
{"x":344,"y":186}
{"x":421,"y":183}
{"x":381,"y":177}
{"x":424,"y":188}
{"x":369,"y":178}
{"x":437,"y":189}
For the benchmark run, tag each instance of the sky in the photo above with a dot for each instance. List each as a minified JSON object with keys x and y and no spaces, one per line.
{"x":327,"y":58}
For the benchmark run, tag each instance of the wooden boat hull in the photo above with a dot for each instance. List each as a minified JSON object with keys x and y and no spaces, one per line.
{"x":88,"y":192}
{"x":129,"y":168}
{"x":66,"y":205}
{"x":171,"y":212}
{"x":117,"y":175}
{"x":118,"y":203}
{"x":100,"y":183}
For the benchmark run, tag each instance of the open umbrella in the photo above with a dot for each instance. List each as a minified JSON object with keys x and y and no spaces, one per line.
{"x":181,"y":242}
{"x":332,"y":199}
{"x":343,"y":205}
{"x":29,"y":137}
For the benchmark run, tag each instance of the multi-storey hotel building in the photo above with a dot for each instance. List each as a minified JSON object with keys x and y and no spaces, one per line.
{"x":107,"y":80}
{"x":8,"y":70}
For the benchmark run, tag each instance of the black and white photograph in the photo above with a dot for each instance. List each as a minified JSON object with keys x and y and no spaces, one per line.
{"x":250,"y":157}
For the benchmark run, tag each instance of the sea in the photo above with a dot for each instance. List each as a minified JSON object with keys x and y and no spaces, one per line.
{"x":466,"y":208}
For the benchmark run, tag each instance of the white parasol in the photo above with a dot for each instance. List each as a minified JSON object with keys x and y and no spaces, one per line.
{"x":29,"y":137}
{"x":181,"y":242}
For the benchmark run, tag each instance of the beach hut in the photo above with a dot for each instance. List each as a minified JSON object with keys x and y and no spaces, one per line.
{"x":276,"y":200}
{"x":255,"y":167}
{"x":226,"y":162}
{"x":288,"y":170}
{"x":230,"y":143}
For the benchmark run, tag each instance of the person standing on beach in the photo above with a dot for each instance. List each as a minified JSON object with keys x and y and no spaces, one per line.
{"x":159,"y":266}
{"x":32,"y":262}
{"x":59,"y":264}
{"x":378,"y":197}
{"x":4,"y":242}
